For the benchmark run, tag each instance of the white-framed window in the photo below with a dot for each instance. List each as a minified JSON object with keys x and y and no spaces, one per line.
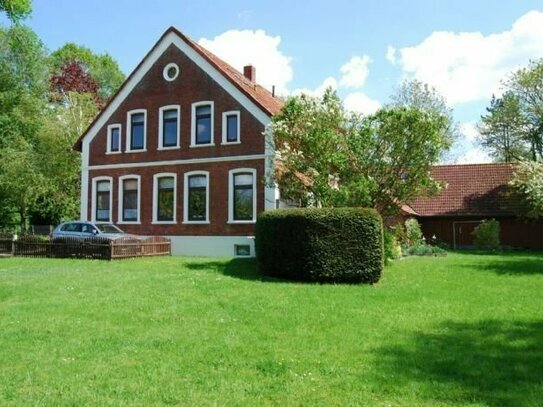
{"x":129,"y":199}
{"x":102,"y":199}
{"x":242,"y":195}
{"x":196,"y":197}
{"x":113,"y":139}
{"x":164,"y":198}
{"x":136,"y":130}
{"x":202,"y":117}
{"x":169,"y":125}
{"x":231,"y":127}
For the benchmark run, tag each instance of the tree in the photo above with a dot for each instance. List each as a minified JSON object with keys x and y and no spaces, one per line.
{"x":527,"y":85}
{"x":21,"y":181}
{"x":333,"y":159}
{"x":502,"y":130}
{"x":527,"y":183}
{"x":421,"y":96}
{"x":101,"y":68}
{"x":62,"y":126}
{"x":23,"y":89}
{"x":16,"y":10}
{"x":72,"y":77}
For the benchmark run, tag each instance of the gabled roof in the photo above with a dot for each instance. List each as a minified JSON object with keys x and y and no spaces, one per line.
{"x":260,"y":96}
{"x":471,"y":190}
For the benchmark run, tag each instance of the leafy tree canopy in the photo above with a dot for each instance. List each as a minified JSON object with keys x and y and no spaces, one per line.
{"x":101,"y":67}
{"x":331,"y":158}
{"x":527,"y":182}
{"x":16,"y":10}
{"x":501,"y":130}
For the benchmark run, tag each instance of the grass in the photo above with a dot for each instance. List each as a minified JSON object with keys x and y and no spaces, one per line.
{"x":463,"y":330}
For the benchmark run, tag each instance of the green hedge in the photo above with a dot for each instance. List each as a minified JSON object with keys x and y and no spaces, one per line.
{"x":333,"y":245}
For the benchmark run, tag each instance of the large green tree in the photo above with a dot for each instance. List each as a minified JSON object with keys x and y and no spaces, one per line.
{"x":502,"y":130}
{"x":101,"y":67}
{"x":23,"y":97}
{"x":527,"y":85}
{"x":16,"y":10}
{"x":527,"y":182}
{"x":330,"y":158}
{"x":418,"y":95}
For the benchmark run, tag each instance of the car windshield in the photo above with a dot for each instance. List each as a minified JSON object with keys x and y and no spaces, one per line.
{"x":109,"y":229}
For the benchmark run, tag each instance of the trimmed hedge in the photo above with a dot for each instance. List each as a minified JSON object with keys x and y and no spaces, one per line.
{"x":332,"y":245}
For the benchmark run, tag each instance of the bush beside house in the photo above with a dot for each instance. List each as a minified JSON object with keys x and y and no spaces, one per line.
{"x":332,"y":245}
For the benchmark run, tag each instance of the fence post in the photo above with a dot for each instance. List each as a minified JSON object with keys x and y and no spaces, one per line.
{"x":13,"y":240}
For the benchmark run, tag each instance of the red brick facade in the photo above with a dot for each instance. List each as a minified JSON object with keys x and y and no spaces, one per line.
{"x":193,"y":84}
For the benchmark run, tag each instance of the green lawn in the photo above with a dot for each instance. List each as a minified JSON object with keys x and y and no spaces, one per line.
{"x":462,"y":330}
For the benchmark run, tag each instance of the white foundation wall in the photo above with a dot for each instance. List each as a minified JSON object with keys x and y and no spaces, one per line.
{"x":210,"y":246}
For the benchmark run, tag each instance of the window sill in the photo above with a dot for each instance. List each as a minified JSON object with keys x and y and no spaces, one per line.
{"x":128,"y":222}
{"x":196,"y":222}
{"x":168,"y":148}
{"x":230,"y":143}
{"x":113,"y":152}
{"x":241,"y":222}
{"x":136,"y":151}
{"x":201,"y":145}
{"x":164,"y":222}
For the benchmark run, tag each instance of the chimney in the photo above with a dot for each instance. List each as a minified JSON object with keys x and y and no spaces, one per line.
{"x":249,"y":72}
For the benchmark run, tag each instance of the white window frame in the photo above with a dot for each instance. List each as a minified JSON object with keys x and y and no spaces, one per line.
{"x":161,"y":124}
{"x":95,"y":181}
{"x":225,"y":127}
{"x":156,"y":177}
{"x":231,"y":175}
{"x":186,"y":199}
{"x":120,"y":220}
{"x":193,"y":124}
{"x":129,"y":114}
{"x":109,"y":130}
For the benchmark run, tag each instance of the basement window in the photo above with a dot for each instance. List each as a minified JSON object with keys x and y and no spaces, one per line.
{"x":242,"y":250}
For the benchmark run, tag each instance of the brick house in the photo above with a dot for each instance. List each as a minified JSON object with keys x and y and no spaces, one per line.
{"x":474,"y":192}
{"x":181,"y":151}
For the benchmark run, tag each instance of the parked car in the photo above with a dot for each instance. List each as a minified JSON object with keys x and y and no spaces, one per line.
{"x":92,"y":239}
{"x":82,"y":230}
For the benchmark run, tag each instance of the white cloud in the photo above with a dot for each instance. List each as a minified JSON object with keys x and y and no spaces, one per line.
{"x":469,"y":66}
{"x":240,"y":48}
{"x":329,"y":82}
{"x":474,"y":156}
{"x":469,"y":131}
{"x":360,"y":103}
{"x":391,"y":54}
{"x":355,"y":72}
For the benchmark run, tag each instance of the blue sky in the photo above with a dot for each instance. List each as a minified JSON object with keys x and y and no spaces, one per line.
{"x":363,"y":48}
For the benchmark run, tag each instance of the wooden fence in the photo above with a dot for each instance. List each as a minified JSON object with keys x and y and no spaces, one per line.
{"x":6,"y":243}
{"x":90,"y":248}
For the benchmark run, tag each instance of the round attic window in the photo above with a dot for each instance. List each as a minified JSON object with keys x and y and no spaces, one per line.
{"x":170,"y":72}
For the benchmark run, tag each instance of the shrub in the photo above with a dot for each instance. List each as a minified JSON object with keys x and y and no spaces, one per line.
{"x":422,"y":249}
{"x":332,"y":245}
{"x":413,"y":232}
{"x":487,"y":234}
{"x":392,"y":248}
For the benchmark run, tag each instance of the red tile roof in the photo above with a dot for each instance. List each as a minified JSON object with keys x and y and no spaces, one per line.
{"x":471,"y":190}
{"x":259,"y":95}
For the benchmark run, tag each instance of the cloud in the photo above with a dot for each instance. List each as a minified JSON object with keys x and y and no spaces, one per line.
{"x":469,"y":131}
{"x":240,"y":48}
{"x":474,"y":156}
{"x":359,"y":102}
{"x":355,"y":72}
{"x":469,"y":66}
{"x":391,"y":54}
{"x":329,"y":82}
